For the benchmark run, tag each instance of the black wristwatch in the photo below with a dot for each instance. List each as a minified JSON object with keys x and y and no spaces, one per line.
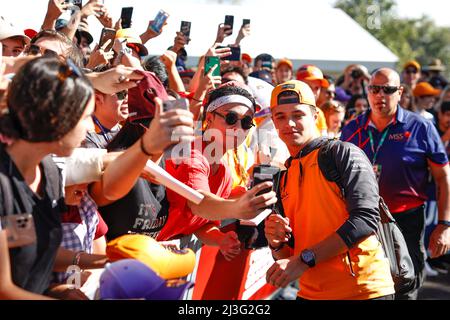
{"x":308,"y":257}
{"x":444,"y":223}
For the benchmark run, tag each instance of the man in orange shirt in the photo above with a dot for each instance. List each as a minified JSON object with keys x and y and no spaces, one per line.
{"x":336,"y":254}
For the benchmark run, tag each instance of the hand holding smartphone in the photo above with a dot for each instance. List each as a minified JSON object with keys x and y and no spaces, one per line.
{"x":235,"y":53}
{"x":264,"y":172}
{"x":229,"y":21}
{"x":159,"y":21}
{"x":107,"y":34}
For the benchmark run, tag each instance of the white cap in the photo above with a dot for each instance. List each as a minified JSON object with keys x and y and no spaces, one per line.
{"x":7,"y":30}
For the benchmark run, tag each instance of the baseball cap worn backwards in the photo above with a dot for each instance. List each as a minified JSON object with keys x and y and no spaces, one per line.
{"x":304,"y":94}
{"x":133,"y":41}
{"x":132,"y":279}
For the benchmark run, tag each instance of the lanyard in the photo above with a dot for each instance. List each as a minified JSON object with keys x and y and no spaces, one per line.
{"x":102,"y":128}
{"x":372,"y":144}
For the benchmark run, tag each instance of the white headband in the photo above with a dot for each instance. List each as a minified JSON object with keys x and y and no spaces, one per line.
{"x":234,"y":98}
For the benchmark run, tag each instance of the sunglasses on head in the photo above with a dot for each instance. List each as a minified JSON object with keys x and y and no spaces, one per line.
{"x":232,"y":117}
{"x":386,"y":89}
{"x":69,"y":69}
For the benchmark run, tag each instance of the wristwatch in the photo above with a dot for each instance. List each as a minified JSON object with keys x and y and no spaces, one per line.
{"x":308,"y":257}
{"x":444,"y":223}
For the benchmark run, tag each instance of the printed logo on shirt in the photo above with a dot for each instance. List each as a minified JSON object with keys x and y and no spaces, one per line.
{"x":400,"y":136}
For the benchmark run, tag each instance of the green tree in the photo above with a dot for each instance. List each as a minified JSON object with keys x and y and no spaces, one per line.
{"x":419,"y":39}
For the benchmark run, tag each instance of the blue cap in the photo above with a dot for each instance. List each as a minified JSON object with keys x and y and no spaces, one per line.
{"x":132,"y":279}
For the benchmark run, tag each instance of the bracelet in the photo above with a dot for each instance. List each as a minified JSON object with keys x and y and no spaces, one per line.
{"x":444,"y":223}
{"x":143,"y":148}
{"x":281,"y":246}
{"x":76,"y":258}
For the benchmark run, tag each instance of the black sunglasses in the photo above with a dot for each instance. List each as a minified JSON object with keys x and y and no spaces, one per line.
{"x":232,"y":117}
{"x":121,"y":95}
{"x":386,"y":89}
{"x":34,"y":50}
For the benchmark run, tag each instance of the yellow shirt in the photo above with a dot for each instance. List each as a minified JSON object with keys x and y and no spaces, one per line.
{"x":321,"y":122}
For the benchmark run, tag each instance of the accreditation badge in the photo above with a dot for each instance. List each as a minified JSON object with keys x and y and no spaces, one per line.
{"x":377,"y":171}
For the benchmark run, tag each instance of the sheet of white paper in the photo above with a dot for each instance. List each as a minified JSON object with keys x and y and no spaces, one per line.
{"x":258,"y":219}
{"x":164,"y":178}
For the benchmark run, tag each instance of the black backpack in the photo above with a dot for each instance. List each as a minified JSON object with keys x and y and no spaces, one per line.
{"x":389,"y":233}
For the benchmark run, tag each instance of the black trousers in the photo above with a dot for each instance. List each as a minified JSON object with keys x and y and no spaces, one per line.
{"x":412,"y":225}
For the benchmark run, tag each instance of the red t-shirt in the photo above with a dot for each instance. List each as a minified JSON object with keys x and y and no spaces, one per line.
{"x":196,"y":173}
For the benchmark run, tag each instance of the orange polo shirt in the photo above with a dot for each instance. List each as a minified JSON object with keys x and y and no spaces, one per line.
{"x":316,"y":210}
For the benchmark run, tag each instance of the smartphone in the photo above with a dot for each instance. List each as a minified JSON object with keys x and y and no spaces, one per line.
{"x":181,"y":150}
{"x":229,"y":21}
{"x":235,"y":54}
{"x":185,"y":28}
{"x":211,"y":61}
{"x":20,"y":230}
{"x":159,"y":21}
{"x":107,"y":34}
{"x":245,"y":22}
{"x":264,"y":172}
{"x":127,"y":13}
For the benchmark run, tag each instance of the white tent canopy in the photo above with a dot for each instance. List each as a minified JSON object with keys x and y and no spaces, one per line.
{"x":302,"y":31}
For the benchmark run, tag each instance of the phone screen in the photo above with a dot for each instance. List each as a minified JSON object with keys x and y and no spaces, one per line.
{"x":229,"y":21}
{"x":126,"y":15}
{"x":245,"y":22}
{"x":181,"y":150}
{"x":107,"y":34}
{"x":211,"y":61}
{"x":159,"y":21}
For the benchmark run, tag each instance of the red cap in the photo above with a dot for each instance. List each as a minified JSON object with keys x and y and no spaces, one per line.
{"x":140,"y":98}
{"x":30,"y":33}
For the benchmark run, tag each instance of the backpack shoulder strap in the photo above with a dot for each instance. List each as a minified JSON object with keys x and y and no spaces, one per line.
{"x":54,"y":176}
{"x":327,"y":163}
